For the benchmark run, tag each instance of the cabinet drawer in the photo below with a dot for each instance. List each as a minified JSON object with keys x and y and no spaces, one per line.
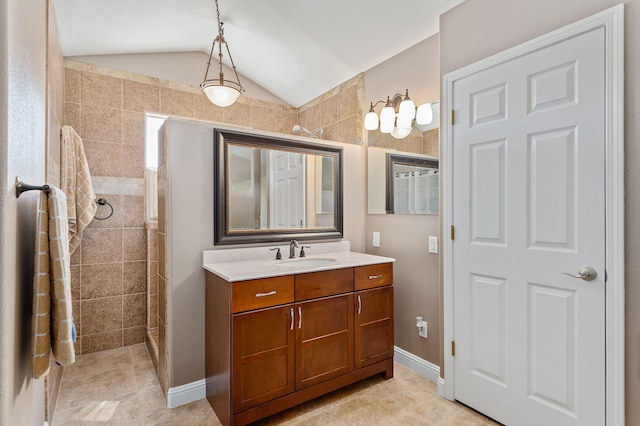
{"x":371,"y":276}
{"x":262,"y":293}
{"x":323,"y":283}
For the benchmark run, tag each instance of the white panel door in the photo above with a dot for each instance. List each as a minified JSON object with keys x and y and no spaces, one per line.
{"x":528,"y":204}
{"x":287,"y":199}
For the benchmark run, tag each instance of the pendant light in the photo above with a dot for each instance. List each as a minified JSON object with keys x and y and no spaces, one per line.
{"x":220,"y":91}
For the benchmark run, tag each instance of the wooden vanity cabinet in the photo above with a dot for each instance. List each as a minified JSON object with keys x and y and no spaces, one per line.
{"x":274,"y":343}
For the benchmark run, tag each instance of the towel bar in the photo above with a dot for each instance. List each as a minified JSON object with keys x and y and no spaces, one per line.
{"x":23,"y":187}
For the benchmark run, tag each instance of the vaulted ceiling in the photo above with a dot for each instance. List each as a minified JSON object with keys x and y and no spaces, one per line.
{"x":296,"y":49}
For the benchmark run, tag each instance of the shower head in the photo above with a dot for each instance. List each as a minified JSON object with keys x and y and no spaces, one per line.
{"x":315,"y":134}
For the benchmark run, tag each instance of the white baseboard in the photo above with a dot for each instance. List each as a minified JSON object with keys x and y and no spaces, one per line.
{"x":441,"y":387}
{"x":417,"y":364}
{"x":185,"y":394}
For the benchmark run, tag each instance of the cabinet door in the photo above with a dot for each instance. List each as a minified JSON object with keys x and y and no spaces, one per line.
{"x":373,"y":326}
{"x":324,"y":339}
{"x":263,"y":356}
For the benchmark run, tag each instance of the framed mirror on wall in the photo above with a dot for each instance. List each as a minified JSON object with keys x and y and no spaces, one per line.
{"x":270,"y":189}
{"x":412,"y":185}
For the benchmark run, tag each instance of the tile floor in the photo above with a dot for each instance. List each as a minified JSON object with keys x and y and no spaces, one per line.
{"x":119,"y":387}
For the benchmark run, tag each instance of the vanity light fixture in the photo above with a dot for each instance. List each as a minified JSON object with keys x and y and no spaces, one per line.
{"x":398,"y":115}
{"x":220,"y":91}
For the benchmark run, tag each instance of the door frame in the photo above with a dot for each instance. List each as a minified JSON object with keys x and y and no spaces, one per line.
{"x":612,"y":20}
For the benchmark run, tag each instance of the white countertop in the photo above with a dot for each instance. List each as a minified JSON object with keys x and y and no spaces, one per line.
{"x":241,"y":270}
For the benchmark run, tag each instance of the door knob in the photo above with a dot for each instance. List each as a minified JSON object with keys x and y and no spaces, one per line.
{"x":586,"y":273}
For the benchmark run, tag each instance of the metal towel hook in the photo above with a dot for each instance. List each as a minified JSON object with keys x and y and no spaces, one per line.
{"x":102,"y":202}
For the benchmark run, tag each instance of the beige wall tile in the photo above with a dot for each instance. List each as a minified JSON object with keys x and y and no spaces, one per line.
{"x":133,"y":161}
{"x":347,"y":131}
{"x":238,"y":114}
{"x":302,"y":118}
{"x":329,"y":111}
{"x":431,"y":142}
{"x":71,"y":85}
{"x":133,"y":208}
{"x":152,"y":241}
{"x":101,"y":280}
{"x":162,"y":300}
{"x":101,"y":124}
{"x":314,"y":118}
{"x":203,"y":109}
{"x":140,"y":97}
{"x":75,"y":282}
{"x":263,"y":118}
{"x":176,"y":102}
{"x":100,"y":90}
{"x":101,"y":245}
{"x":133,"y":128}
{"x":134,"y":308}
{"x":413,"y":144}
{"x":285,"y":120}
{"x":135,"y":244}
{"x":161,"y":255}
{"x":153,"y":311}
{"x":134,"y":335}
{"x":101,"y":341}
{"x":75,"y":308}
{"x":153,"y":282}
{"x":105,"y":159}
{"x":134,"y":278}
{"x":100,"y":315}
{"x":115,"y":221}
{"x":72,"y":116}
{"x":330,"y":132}
{"x":348,"y":102}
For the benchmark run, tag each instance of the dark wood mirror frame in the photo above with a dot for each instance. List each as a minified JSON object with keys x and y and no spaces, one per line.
{"x":407,"y":160}
{"x":222,"y":233}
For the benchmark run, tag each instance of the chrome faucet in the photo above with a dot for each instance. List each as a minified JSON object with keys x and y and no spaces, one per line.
{"x":293,"y":245}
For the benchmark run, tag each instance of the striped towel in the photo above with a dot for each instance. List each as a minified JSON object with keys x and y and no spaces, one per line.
{"x":76,"y":183}
{"x":52,"y":314}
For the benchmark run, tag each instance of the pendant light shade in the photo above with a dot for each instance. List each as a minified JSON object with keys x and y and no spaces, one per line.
{"x":407,"y":110}
{"x":220,"y":91}
{"x":223,"y":96}
{"x":387,"y":119}
{"x":424,"y":114}
{"x":371,"y":119}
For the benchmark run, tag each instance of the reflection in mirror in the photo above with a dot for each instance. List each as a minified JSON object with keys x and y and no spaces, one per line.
{"x":271,"y":189}
{"x":412,"y":185}
{"x":378,"y":161}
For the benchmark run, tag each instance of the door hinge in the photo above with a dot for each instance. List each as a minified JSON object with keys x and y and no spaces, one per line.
{"x":452,"y":117}
{"x":453,"y":348}
{"x":453,"y":232}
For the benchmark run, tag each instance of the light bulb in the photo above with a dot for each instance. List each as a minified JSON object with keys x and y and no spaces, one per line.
{"x":387,"y":119}
{"x":371,"y":120}
{"x":407,"y":110}
{"x":424,"y":114}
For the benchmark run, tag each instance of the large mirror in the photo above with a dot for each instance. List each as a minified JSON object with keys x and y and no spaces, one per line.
{"x":274,"y":189}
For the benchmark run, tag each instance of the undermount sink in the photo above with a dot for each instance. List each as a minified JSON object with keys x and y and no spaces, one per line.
{"x":307,"y":263}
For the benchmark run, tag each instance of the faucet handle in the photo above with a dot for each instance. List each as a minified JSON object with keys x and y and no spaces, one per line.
{"x":302,"y":253}
{"x":278,"y":255}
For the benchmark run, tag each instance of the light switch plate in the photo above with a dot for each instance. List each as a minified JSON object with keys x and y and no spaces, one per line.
{"x":433,"y":244}
{"x":376,"y":239}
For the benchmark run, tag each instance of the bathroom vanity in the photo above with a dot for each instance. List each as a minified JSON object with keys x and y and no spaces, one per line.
{"x":282,"y":332}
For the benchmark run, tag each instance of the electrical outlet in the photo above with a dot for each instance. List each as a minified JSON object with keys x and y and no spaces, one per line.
{"x":376,"y":239}
{"x":433,"y":244}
